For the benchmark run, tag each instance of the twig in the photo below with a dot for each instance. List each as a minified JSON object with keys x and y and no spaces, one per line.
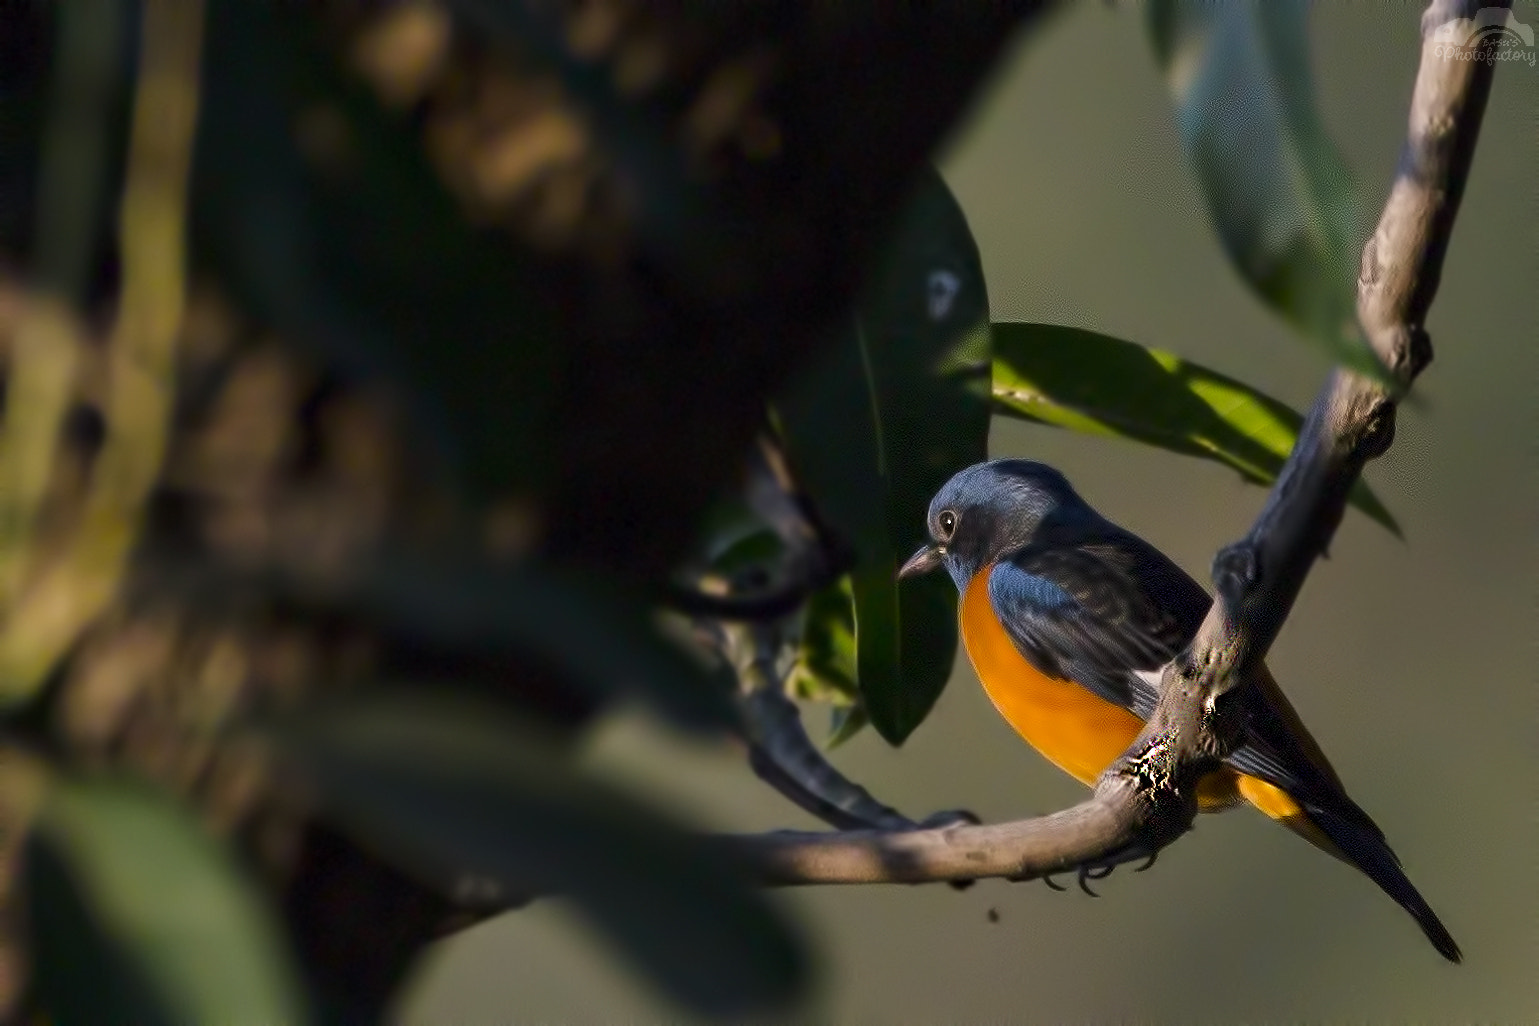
{"x":747,"y":628}
{"x":779,"y":750}
{"x":1144,"y":800}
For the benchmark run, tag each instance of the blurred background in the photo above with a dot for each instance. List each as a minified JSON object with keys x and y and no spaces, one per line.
{"x":1412,"y":662}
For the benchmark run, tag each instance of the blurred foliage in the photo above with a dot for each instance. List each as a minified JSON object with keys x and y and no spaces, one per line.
{"x":463,"y":796}
{"x":139,"y":916}
{"x":1280,"y":195}
{"x":343,"y":234}
{"x":482,"y":312}
{"x":552,"y":617}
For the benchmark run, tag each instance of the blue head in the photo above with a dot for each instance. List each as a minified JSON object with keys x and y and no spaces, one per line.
{"x":992,"y":509}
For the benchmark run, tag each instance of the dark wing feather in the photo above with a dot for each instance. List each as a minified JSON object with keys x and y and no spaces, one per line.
{"x":1098,"y":610}
{"x":1086,"y":613}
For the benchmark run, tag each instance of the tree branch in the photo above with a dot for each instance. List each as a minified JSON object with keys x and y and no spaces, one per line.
{"x":1020,"y":850}
{"x":1146,"y":799}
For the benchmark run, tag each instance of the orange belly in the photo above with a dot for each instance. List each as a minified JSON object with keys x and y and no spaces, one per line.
{"x":1074,"y":728}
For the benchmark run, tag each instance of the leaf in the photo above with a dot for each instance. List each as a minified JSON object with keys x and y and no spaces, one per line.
{"x":876,"y":429}
{"x":825,"y":667}
{"x":845,"y":723}
{"x":450,"y":789}
{"x":733,"y":538}
{"x":1280,"y":195}
{"x":1099,"y":385}
{"x":756,"y":550}
{"x":137,"y":915}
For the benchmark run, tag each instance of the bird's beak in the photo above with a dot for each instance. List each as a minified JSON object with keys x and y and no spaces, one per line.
{"x":922,"y":562}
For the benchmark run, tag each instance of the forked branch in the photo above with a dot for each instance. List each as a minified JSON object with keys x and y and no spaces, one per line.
{"x":1144,"y":801}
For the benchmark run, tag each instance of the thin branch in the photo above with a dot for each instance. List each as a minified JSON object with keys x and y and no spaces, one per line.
{"x":783,"y":756}
{"x":1145,"y":800}
{"x":749,"y":630}
{"x":1021,"y":850}
{"x":779,"y":750}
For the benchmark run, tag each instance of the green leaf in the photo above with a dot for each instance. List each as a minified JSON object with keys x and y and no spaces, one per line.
{"x":845,"y":723}
{"x":1280,"y":195}
{"x":825,"y":667}
{"x":137,"y":915}
{"x":1099,"y":385}
{"x":899,"y":405}
{"x":450,"y":789}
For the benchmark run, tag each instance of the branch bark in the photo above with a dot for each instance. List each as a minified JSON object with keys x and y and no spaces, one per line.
{"x":1145,"y":800}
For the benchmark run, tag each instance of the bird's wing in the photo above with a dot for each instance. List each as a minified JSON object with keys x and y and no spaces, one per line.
{"x":1108,"y":613}
{"x":1082,"y":615}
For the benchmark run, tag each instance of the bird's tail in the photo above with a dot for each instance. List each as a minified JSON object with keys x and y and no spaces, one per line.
{"x":1317,"y":808}
{"x":1359,"y":843}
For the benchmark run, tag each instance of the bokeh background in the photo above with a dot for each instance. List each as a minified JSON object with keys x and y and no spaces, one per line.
{"x":1413,"y":662}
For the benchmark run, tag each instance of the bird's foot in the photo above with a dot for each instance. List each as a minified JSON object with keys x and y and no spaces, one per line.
{"x":1100,"y":870}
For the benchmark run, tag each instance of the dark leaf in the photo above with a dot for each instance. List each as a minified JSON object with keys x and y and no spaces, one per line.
{"x":875,"y":431}
{"x":1280,"y":195}
{"x":757,"y":550}
{"x":451,"y":791}
{"x":734,"y":539}
{"x":137,"y":915}
{"x":1099,"y":385}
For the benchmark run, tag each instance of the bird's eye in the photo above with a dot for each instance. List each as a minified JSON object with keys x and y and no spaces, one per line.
{"x":947,"y":521}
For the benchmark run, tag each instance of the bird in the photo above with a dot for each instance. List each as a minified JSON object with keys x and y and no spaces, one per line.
{"x":1068,"y":620}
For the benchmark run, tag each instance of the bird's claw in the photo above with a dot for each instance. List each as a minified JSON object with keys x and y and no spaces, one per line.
{"x":1090,"y":872}
{"x":1100,"y":871}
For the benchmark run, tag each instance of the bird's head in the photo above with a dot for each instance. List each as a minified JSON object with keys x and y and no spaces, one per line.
{"x":990,"y":510}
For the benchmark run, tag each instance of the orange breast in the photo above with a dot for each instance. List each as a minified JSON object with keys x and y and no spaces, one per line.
{"x":1074,"y":728}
